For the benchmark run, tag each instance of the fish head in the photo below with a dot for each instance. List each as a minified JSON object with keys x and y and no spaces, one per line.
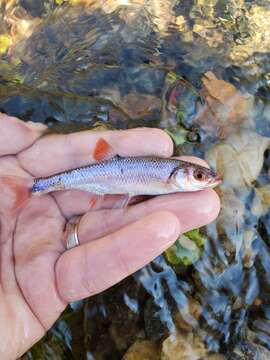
{"x":194,"y":177}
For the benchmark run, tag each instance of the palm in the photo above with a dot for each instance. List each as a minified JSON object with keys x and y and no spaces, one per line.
{"x":38,"y":276}
{"x":31,"y":243}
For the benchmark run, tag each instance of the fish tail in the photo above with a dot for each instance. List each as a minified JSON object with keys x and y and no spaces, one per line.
{"x":14,"y":193}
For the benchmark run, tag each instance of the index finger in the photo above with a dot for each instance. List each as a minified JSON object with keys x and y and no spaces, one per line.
{"x":56,"y":153}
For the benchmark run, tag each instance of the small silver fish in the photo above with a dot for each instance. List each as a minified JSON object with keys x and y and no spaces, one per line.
{"x":131,"y":176}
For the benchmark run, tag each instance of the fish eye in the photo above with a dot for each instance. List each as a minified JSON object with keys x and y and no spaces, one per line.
{"x":199,"y":175}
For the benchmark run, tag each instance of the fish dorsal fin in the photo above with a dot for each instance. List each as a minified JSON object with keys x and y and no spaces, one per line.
{"x":103,"y":151}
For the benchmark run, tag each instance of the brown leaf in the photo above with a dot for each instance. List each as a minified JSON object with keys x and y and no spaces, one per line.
{"x":225,"y":108}
{"x":140,"y":105}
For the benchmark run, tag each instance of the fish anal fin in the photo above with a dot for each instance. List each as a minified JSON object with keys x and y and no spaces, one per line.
{"x":95,"y":201}
{"x":103,"y":150}
{"x":122,"y":202}
{"x":98,"y":202}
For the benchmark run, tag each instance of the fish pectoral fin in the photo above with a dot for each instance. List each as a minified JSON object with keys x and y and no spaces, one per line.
{"x":125,"y":201}
{"x":98,"y":202}
{"x":103,"y":150}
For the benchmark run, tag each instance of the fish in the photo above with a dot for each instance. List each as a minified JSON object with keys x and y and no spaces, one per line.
{"x":131,"y":176}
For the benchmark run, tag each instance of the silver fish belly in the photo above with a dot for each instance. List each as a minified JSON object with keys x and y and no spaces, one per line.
{"x":131,"y":175}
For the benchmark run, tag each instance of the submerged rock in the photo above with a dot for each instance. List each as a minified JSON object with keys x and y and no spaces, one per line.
{"x":239,"y":159}
{"x":261,"y":202}
{"x":186,"y":347}
{"x":182,"y":347}
{"x":194,"y":311}
{"x":257,"y":20}
{"x":225,"y":109}
{"x":247,"y":350}
{"x":142,"y":350}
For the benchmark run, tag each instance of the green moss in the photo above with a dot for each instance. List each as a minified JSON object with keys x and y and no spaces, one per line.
{"x":179,"y":254}
{"x":187,"y":249}
{"x":179,"y":137}
{"x":196,"y":236}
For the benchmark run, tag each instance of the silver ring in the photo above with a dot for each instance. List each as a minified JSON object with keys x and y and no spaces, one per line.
{"x":72,"y":239}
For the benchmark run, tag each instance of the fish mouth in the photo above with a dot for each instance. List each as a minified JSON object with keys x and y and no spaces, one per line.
{"x":216,"y":181}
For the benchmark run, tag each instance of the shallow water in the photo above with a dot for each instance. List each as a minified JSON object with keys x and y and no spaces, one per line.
{"x":199,"y":69}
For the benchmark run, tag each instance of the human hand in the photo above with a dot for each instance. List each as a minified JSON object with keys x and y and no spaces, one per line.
{"x":38,"y":276}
